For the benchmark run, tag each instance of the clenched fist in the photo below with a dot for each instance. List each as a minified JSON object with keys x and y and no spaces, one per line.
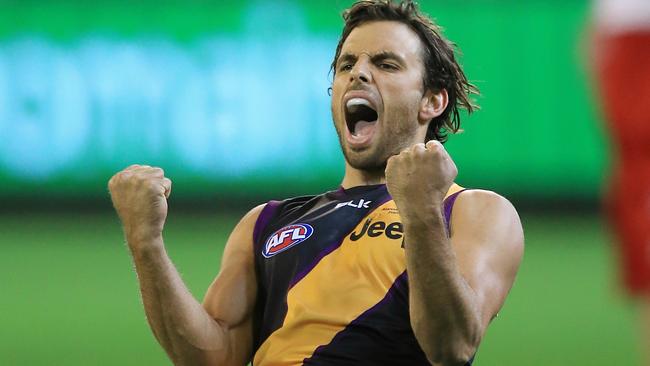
{"x":419,"y":177}
{"x":139,"y":195}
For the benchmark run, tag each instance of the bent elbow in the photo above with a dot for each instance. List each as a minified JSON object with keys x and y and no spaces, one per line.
{"x":458,"y":356}
{"x":450,"y":351}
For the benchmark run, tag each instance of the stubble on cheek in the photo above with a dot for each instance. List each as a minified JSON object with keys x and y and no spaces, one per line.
{"x":400,"y":130}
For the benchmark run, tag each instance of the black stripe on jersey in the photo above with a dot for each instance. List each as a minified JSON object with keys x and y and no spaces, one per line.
{"x":386,"y":323}
{"x":276,"y":275}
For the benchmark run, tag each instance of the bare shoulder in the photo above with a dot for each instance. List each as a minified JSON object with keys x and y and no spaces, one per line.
{"x":478,"y":209}
{"x":479,"y":202}
{"x":254,"y":213}
{"x":250,"y":218}
{"x":241,"y":237}
{"x":485,"y":226}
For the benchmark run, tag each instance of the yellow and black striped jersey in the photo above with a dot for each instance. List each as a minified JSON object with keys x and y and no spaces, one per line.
{"x":333,"y":287}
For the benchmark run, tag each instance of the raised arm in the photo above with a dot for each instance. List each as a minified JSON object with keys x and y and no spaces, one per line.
{"x":457,"y":284}
{"x":216,"y":333}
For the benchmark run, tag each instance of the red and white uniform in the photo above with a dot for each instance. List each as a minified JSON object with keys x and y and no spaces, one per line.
{"x":622,"y":65}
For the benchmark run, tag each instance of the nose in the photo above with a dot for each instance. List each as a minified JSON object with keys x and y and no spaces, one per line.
{"x":360,"y":72}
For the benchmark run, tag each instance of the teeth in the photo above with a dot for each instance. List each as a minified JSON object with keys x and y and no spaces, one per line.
{"x":357,"y":101}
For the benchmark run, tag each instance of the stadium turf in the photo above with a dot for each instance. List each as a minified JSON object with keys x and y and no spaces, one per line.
{"x":68,"y":294}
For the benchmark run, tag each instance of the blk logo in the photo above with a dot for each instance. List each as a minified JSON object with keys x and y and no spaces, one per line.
{"x":362,"y":204}
{"x":394,"y":230}
{"x":286,"y":238}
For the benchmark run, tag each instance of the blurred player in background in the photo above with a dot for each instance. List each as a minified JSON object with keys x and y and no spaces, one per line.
{"x":377,"y":272}
{"x":621,"y":45}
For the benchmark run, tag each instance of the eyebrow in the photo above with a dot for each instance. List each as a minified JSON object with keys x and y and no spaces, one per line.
{"x":380,"y":56}
{"x":347,"y":57}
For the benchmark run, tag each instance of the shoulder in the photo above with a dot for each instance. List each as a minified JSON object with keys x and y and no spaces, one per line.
{"x":486,"y":214}
{"x":241,"y":237}
{"x":254,"y":221}
{"x":251,"y":217}
{"x":255,"y":212}
{"x":271,"y":208}
{"x":480,"y":202}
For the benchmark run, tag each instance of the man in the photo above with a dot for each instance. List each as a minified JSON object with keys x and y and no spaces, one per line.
{"x":377,"y":272}
{"x":621,"y":45}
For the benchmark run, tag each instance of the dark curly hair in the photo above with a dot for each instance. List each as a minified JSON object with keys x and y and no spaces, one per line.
{"x":442,"y":71}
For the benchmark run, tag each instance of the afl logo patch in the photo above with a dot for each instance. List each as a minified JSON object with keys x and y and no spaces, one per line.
{"x":286,"y":238}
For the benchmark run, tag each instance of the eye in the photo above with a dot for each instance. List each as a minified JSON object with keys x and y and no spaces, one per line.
{"x":345,"y":67}
{"x":387,"y":66}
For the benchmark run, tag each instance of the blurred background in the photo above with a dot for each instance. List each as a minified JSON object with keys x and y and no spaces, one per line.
{"x":230,"y":98}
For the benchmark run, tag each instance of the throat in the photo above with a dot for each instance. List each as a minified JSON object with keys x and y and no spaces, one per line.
{"x":355,"y":177}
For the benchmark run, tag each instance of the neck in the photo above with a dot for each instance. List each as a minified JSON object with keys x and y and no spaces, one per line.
{"x":355,"y":177}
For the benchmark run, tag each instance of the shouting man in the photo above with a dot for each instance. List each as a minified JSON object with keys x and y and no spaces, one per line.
{"x":377,"y":272}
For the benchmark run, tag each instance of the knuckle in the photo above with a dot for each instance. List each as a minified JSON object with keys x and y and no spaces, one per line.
{"x":148,"y":183}
{"x":131,"y":179}
{"x":116,"y":180}
{"x":111,"y":183}
{"x":158,"y":173}
{"x":434,"y":145}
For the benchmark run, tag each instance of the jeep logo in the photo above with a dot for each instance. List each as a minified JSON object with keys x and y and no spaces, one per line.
{"x":394,"y":230}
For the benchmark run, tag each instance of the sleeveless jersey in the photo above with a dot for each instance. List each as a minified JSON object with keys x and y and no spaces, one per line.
{"x":333,"y":287}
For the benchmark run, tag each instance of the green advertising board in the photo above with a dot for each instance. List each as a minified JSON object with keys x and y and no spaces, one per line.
{"x":231,"y":97}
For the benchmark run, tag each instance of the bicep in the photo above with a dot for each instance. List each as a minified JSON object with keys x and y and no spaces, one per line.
{"x":488,"y":240}
{"x":231,"y":297}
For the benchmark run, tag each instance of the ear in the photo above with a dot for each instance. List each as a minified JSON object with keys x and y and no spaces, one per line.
{"x":432,"y":105}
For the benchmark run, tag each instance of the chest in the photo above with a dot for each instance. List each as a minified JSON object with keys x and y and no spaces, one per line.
{"x":360,"y":245}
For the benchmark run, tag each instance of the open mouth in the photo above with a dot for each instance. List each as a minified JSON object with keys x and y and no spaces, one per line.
{"x":360,"y":117}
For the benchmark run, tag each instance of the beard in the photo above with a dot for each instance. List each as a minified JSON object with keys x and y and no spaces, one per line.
{"x":365,"y":159}
{"x":370,"y":160}
{"x":373,"y":159}
{"x":398,"y":130}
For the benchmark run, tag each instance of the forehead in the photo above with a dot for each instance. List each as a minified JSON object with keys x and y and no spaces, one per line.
{"x":381,"y":36}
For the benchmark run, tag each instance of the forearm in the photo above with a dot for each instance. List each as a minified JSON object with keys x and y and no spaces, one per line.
{"x":445,"y":315}
{"x":181,"y":325}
